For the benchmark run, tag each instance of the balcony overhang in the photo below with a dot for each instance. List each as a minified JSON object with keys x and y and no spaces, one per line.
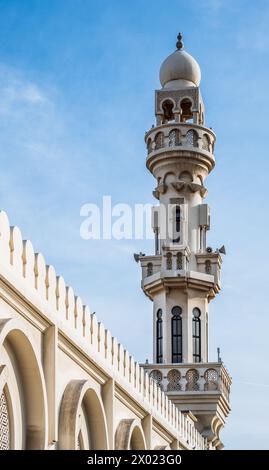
{"x":187,"y":280}
{"x":207,"y":398}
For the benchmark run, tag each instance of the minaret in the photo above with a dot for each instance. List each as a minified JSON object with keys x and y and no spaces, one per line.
{"x":183,"y":275}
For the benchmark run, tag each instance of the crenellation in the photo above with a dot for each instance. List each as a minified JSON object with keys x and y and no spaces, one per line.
{"x":16,"y":249}
{"x":137,"y":381}
{"x":61,"y":297}
{"x":69,"y":303}
{"x":108,"y":346}
{"x":120,"y":365}
{"x":64,"y":305}
{"x":40,"y":275}
{"x":85,"y":314}
{"x":94,"y":331}
{"x":51,"y":284}
{"x":78,"y":316}
{"x":126,"y":364}
{"x":132,"y":371}
{"x":28,"y":258}
{"x":114,"y":352}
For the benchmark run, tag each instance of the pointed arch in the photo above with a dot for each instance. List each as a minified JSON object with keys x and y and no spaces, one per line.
{"x":78,"y":395}
{"x":32,"y":381}
{"x":130,"y":435}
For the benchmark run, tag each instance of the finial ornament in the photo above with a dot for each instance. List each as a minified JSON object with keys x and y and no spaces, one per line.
{"x":179,"y":42}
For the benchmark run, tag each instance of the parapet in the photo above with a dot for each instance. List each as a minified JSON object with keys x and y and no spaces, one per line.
{"x":28,"y":275}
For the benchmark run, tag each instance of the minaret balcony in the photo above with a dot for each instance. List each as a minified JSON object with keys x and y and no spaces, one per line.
{"x":210,"y":263}
{"x":200,"y":388}
{"x":181,"y":140}
{"x":211,"y":378}
{"x":157,"y":276}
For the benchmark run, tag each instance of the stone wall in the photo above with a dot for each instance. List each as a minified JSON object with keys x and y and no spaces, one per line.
{"x":65,"y":381}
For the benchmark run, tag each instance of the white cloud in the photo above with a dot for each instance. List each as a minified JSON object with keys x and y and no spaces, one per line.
{"x":31,"y":94}
{"x":17,"y":92}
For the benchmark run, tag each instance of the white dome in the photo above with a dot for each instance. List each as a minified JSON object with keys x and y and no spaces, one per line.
{"x":180,"y":70}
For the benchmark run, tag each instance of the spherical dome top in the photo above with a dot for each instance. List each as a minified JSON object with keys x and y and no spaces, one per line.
{"x":180,"y":70}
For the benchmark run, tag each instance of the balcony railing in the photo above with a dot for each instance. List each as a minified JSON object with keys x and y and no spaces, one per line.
{"x":176,"y":135}
{"x":191,"y":378}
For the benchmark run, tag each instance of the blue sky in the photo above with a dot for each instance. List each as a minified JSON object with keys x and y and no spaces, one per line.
{"x":77,"y":81}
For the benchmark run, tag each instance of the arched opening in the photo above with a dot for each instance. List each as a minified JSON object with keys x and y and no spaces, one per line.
{"x":168,"y":114}
{"x":149,"y":145}
{"x":137,"y":440}
{"x":179,"y":261}
{"x":186,"y":176}
{"x":149,"y":269}
{"x":192,"y":138}
{"x":205,"y":142}
{"x":159,"y":337}
{"x":211,"y":379}
{"x":169,"y":261}
{"x":82,"y":418}
{"x":208,"y":267}
{"x":176,"y":334}
{"x":157,"y":376}
{"x":159,"y":140}
{"x":28,"y":387}
{"x":174,"y":138}
{"x":186,"y":110}
{"x":129,"y":435}
{"x":177,"y":219}
{"x":192,"y":378}
{"x":196,"y":334}
{"x":173,"y":377}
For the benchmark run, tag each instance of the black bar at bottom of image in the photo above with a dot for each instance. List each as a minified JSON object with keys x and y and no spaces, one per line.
{"x":118,"y":459}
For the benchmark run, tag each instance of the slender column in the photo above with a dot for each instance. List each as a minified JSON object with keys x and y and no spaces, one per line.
{"x":147,"y":428}
{"x":50,"y":370}
{"x":108,"y":400}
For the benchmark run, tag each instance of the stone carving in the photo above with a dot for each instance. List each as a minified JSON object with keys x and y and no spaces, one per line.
{"x":4,"y":423}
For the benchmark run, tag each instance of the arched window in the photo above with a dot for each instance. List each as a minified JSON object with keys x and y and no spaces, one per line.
{"x":196,"y":334}
{"x":159,"y":140}
{"x":205,"y":142}
{"x":208,"y":269}
{"x":149,"y":145}
{"x":176,"y":333}
{"x":212,"y":147}
{"x":159,"y":337}
{"x":176,"y":224}
{"x":149,"y":269}
{"x":177,"y":219}
{"x":186,"y":110}
{"x":157,"y":376}
{"x":192,"y":138}
{"x":169,"y":261}
{"x":192,"y":379}
{"x":173,"y":378}
{"x":168,"y":114}
{"x":174,"y":138}
{"x":211,"y":379}
{"x":179,"y":261}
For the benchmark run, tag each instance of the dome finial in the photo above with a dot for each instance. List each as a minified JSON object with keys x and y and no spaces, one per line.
{"x":179,"y":43}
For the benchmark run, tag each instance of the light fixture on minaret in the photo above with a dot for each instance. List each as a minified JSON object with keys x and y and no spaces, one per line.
{"x":183,"y":275}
